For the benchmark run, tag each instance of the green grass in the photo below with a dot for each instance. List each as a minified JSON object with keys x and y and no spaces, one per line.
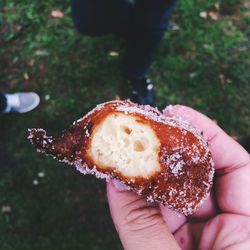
{"x":204,"y":64}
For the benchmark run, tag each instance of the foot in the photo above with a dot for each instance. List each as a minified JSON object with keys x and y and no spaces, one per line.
{"x":142,"y":91}
{"x":21,"y":102}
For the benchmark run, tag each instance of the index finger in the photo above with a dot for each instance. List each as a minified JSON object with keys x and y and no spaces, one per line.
{"x":232,"y":162}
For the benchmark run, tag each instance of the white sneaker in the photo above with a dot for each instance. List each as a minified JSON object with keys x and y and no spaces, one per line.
{"x":21,"y":102}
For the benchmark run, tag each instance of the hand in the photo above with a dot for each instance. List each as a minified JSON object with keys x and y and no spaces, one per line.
{"x":222,"y":222}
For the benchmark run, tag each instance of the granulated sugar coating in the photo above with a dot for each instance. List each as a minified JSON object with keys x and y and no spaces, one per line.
{"x":164,"y":159}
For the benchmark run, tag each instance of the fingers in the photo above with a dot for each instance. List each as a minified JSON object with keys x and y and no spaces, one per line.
{"x":232,"y":162}
{"x":139,"y":224}
{"x":226,"y":152}
{"x":226,"y":231}
{"x":173,"y":219}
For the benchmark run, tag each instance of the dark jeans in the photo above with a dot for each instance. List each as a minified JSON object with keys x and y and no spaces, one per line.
{"x":3,"y":102}
{"x":143,"y":25}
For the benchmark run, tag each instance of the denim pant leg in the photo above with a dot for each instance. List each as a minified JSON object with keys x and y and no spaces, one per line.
{"x":99,"y":17}
{"x":150,"y":20}
{"x":143,"y":23}
{"x":3,"y":102}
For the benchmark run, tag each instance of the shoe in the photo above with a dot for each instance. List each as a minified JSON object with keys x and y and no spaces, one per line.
{"x":142,"y":91}
{"x":21,"y":102}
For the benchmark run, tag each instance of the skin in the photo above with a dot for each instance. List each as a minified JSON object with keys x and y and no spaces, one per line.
{"x":222,"y":222}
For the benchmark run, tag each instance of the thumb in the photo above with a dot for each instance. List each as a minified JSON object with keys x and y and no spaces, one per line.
{"x":140,"y":225}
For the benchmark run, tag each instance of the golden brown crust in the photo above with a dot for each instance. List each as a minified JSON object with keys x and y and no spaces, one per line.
{"x":186,"y":164}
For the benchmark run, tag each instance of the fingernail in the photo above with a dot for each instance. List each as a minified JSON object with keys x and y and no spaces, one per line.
{"x":120,"y":186}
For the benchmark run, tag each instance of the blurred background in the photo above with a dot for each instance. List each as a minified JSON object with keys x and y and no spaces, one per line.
{"x":203,"y":62}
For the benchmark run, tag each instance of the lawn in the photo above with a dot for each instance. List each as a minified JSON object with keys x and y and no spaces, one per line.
{"x":203,"y":62}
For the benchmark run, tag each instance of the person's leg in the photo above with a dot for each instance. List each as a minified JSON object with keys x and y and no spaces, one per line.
{"x":3,"y":102}
{"x":150,"y":20}
{"x":99,"y":17}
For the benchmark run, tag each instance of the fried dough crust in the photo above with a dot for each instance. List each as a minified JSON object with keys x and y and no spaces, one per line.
{"x":164,"y":159}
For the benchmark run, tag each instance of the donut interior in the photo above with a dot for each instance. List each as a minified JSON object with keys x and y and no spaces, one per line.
{"x":126,"y":145}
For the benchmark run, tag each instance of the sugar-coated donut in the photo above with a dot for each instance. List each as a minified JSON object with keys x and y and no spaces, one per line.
{"x":162,"y":158}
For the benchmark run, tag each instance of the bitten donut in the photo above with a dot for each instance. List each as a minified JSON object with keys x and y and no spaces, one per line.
{"x":161,"y":158}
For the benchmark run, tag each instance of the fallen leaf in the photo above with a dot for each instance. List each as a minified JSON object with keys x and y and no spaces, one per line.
{"x":209,"y":47}
{"x":40,"y":52}
{"x":203,"y":14}
{"x":217,"y":6}
{"x":246,"y":4}
{"x":113,"y":53}
{"x":41,"y":174}
{"x":26,"y":76}
{"x":193,"y":74}
{"x":213,"y":15}
{"x":35,"y":182}
{"x":6,"y":209}
{"x":57,"y":14}
{"x":46,"y":97}
{"x":174,"y":26}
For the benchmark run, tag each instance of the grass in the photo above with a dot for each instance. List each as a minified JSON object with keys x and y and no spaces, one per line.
{"x":204,"y":63}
